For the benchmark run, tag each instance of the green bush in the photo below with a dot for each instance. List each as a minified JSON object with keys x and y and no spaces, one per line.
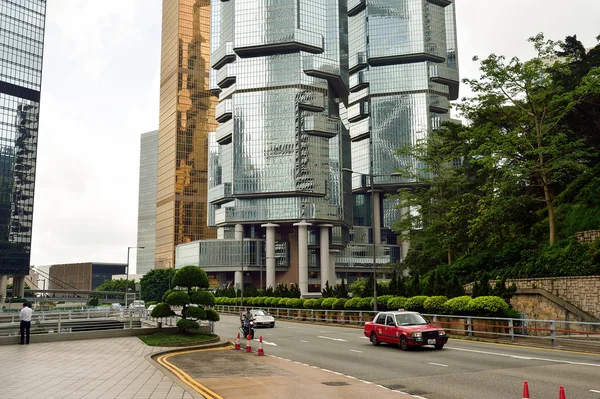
{"x":275,"y":301}
{"x":248,"y":301}
{"x":166,"y":294}
{"x":435,"y":304}
{"x":366,"y":303}
{"x":397,"y":302}
{"x":193,"y":312}
{"x":340,"y":303}
{"x":212,"y":315}
{"x":458,"y":305}
{"x":295,"y":303}
{"x":151,"y":303}
{"x":327,"y":303}
{"x":416,"y":303}
{"x":353,"y":303}
{"x":178,"y":298}
{"x":260,"y":301}
{"x":205,"y":298}
{"x":382,"y":302}
{"x":488,"y":306}
{"x":162,"y":310}
{"x":268,"y":301}
{"x":186,"y":325}
{"x":318,"y":302}
{"x":309,"y":304}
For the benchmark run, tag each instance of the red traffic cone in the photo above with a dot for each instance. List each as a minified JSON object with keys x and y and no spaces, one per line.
{"x":261,"y":352}
{"x":561,"y":393}
{"x":248,"y":346}
{"x":525,"y":390}
{"x":237,"y":343}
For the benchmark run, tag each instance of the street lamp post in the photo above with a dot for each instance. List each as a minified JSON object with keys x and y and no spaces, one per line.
{"x":127,"y":275}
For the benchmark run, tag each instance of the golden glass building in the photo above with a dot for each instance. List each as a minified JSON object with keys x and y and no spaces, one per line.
{"x":187,"y":115}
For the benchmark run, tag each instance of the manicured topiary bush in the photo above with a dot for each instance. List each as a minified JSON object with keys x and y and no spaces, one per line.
{"x":340,"y":303}
{"x":205,"y":298}
{"x":187,"y":325}
{"x":397,"y":302}
{"x":178,"y":298}
{"x":310,"y":304}
{"x":193,"y":312}
{"x":435,"y":304}
{"x":366,"y":303}
{"x":382,"y":302}
{"x":318,"y":302}
{"x":162,"y":310}
{"x":212,"y":315}
{"x":416,"y":303}
{"x":458,"y":305}
{"x":488,"y":306}
{"x":353,"y":303}
{"x":328,"y":303}
{"x":295,"y":303}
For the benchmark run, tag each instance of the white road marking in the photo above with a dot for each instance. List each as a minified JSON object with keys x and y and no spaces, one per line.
{"x":439,"y":364}
{"x":266,"y":343}
{"x":532,"y":358}
{"x":364,"y":337}
{"x":333,"y":339}
{"x":306,"y":342}
{"x":352,"y":350}
{"x":521,"y":357}
{"x":593,"y":390}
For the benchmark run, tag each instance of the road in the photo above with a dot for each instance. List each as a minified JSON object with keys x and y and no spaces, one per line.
{"x":463,"y":369}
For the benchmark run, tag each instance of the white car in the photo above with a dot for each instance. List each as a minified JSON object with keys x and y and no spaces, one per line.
{"x":137,"y":305}
{"x":262,"y":318}
{"x":151,"y":308}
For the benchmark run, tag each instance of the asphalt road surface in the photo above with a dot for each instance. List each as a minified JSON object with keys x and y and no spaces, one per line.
{"x":463,"y":369}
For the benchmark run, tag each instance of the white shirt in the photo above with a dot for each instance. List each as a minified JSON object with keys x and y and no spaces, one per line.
{"x":25,"y":314}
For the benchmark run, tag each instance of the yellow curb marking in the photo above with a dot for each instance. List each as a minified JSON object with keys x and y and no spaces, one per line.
{"x":186,"y":378}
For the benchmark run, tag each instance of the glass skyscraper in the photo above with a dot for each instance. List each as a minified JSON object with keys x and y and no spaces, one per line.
{"x":315,"y":96}
{"x":187,"y":114}
{"x":21,"y":51}
{"x":146,"y":231}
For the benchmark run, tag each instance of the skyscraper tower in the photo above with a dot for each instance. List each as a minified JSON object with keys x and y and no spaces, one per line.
{"x":21,"y":51}
{"x":186,"y":116}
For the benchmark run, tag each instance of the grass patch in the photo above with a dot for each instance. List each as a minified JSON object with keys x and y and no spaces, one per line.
{"x":168,"y":339}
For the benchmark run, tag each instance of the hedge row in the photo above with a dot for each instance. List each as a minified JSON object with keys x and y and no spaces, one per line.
{"x":463,"y":305}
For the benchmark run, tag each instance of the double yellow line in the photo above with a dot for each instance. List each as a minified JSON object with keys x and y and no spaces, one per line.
{"x":163,"y":360}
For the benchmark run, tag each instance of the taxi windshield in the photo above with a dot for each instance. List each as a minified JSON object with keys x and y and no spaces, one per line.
{"x":410,"y":319}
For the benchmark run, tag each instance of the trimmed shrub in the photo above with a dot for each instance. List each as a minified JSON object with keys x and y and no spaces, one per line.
{"x":205,"y":298}
{"x":186,"y":325}
{"x":268,"y":301}
{"x":366,"y":303}
{"x":318,"y":302}
{"x":416,"y":303}
{"x":193,"y":312}
{"x":458,"y":305}
{"x":488,"y":306}
{"x":166,"y":294}
{"x":327,"y":303}
{"x":340,"y":303}
{"x":162,"y":310}
{"x":382,"y":302}
{"x":353,"y":303}
{"x":260,"y":301}
{"x":295,"y":303}
{"x":435,"y":304}
{"x":212,"y":315}
{"x":248,"y":300}
{"x":178,"y":298}
{"x":309,"y":304}
{"x":275,"y":302}
{"x":397,"y":302}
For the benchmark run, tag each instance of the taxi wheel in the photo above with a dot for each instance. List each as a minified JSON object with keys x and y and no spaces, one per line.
{"x":403,"y":344}
{"x":439,"y":346}
{"x":374,"y":339}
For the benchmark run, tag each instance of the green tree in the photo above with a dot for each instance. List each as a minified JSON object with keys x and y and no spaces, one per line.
{"x":155,"y":283}
{"x":189,"y":277}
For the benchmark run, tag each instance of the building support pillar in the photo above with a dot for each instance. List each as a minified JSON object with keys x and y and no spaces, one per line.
{"x":220,"y":233}
{"x":303,"y":256}
{"x":332,"y":275}
{"x":237,"y":280}
{"x":3,"y":284}
{"x":324,"y":254}
{"x":239,"y":231}
{"x":404,"y":244}
{"x":18,"y":289}
{"x":270,"y":253}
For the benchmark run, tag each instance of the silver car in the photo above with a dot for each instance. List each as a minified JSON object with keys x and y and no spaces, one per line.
{"x":262,"y":318}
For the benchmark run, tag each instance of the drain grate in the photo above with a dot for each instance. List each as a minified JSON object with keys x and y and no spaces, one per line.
{"x":395,"y":387}
{"x":335,"y":383}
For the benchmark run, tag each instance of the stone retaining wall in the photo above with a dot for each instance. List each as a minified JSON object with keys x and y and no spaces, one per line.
{"x":582,"y":292}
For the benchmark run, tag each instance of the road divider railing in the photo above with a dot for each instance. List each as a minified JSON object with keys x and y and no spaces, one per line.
{"x":584,"y":335}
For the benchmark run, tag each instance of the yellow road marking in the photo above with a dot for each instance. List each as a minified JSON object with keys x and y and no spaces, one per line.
{"x":186,"y":378}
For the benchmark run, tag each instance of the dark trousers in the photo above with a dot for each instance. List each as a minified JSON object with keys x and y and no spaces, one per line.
{"x":25,"y":327}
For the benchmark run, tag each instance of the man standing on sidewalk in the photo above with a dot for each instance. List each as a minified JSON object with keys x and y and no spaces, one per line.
{"x":25,"y":317}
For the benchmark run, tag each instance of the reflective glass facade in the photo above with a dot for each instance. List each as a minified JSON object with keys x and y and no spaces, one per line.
{"x":21,"y":50}
{"x":280,"y":71}
{"x":146,"y":231}
{"x":187,"y":114}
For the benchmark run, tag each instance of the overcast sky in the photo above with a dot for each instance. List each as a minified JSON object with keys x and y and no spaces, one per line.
{"x":100,"y":91}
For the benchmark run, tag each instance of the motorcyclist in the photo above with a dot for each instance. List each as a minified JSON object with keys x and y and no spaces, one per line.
{"x":245,"y":319}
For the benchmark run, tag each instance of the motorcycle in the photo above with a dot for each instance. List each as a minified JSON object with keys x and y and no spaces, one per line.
{"x":247,"y":328}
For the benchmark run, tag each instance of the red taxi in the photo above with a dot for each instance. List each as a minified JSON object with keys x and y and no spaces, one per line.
{"x":406,"y":329}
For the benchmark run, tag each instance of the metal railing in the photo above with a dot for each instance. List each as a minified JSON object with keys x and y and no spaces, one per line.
{"x":551,"y":332}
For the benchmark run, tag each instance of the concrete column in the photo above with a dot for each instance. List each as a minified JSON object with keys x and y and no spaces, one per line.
{"x":405,"y":244}
{"x":239,"y":231}
{"x":303,"y":256}
{"x":18,"y":286}
{"x":220,"y":233}
{"x":237,"y":280}
{"x":332,"y":256}
{"x":3,"y":280}
{"x":376,"y":218}
{"x":324,"y":253}
{"x":270,"y":253}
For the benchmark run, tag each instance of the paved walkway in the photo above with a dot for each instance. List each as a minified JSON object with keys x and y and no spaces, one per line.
{"x":112,"y":368}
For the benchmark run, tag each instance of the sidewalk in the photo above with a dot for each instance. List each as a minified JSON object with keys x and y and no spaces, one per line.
{"x":112,"y":368}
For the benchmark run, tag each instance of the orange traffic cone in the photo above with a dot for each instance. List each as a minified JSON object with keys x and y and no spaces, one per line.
{"x":561,"y":393}
{"x":261,"y":352}
{"x":248,"y":346}
{"x":525,"y":390}
{"x":237,"y":343}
